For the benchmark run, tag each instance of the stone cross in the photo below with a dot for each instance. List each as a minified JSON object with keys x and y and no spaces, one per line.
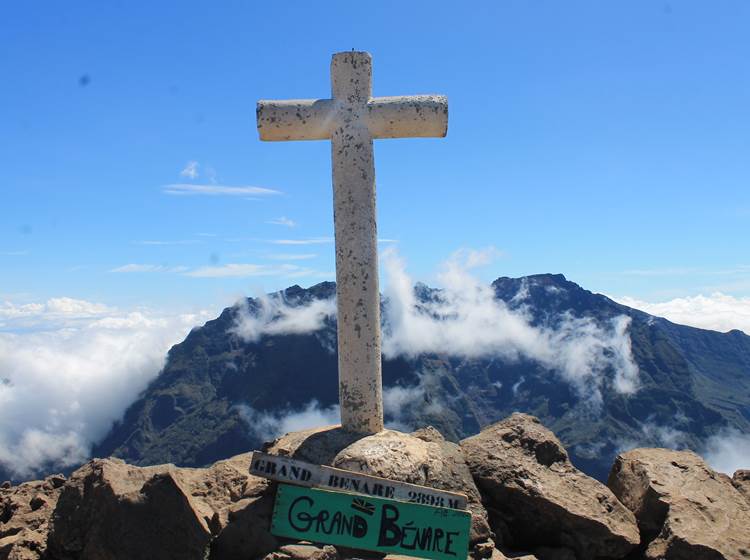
{"x":351,"y":119}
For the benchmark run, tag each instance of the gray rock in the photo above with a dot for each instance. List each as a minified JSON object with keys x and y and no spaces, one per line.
{"x":110,"y":511}
{"x":741,"y":481}
{"x":25,"y":512}
{"x":685,"y":509}
{"x":537,"y":498}
{"x":309,"y":552}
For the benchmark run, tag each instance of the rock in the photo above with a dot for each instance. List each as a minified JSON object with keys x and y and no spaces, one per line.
{"x":484,"y":549}
{"x":57,"y":480}
{"x":507,"y":555}
{"x":25,"y":512}
{"x":247,"y":532}
{"x":548,"y":553}
{"x":537,"y":498}
{"x":741,"y":481}
{"x":112,"y":510}
{"x":38,"y":501}
{"x":218,"y":491}
{"x":424,"y":458}
{"x":685,"y":510}
{"x":309,"y":552}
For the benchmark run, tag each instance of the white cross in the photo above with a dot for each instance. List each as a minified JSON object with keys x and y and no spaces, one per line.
{"x":351,"y":120}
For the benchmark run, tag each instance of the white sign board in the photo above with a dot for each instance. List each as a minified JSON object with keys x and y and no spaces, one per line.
{"x":285,"y":469}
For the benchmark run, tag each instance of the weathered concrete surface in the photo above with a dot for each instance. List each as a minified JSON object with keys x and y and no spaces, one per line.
{"x":357,"y":290}
{"x":536,"y":498}
{"x":351,"y":120}
{"x":685,"y":510}
{"x":25,"y":511}
{"x":424,"y":458}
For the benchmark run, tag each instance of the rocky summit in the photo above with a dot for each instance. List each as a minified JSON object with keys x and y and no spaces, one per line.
{"x":526,"y":499}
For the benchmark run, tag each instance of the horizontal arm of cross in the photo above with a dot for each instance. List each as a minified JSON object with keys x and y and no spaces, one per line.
{"x":413,"y":116}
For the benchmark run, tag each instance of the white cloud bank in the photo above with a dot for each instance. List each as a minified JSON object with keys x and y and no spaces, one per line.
{"x":717,"y":312}
{"x":466,"y":320}
{"x":68,"y":369}
{"x":188,"y":189}
{"x":275,"y":316}
{"x":283,"y":221}
{"x":269,"y":425}
{"x":728,"y":451}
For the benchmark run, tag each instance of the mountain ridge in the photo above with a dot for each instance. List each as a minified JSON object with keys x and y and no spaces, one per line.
{"x":694,"y":383}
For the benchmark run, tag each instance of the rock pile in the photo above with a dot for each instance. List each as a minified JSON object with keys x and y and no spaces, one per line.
{"x":526,"y":499}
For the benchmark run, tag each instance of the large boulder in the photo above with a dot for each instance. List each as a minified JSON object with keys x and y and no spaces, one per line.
{"x":109,"y":510}
{"x":424,"y":458}
{"x":685,"y":510}
{"x":538,"y":500}
{"x":25,"y":512}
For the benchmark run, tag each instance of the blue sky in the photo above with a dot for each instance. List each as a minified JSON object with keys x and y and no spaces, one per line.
{"x":608,"y":141}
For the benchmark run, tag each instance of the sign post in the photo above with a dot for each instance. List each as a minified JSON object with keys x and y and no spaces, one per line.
{"x":368,"y":523}
{"x":286,"y":469}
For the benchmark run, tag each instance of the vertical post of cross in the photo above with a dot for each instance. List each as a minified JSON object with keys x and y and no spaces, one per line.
{"x":360,"y":385}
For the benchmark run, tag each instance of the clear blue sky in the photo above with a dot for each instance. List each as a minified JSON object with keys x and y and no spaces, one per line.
{"x":609,"y":141}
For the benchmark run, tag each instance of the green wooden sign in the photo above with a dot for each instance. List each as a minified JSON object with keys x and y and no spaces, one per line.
{"x":369,"y":523}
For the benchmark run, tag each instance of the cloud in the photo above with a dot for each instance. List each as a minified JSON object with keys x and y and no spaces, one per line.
{"x":13,"y":253}
{"x":517,"y":385}
{"x":465,"y":319}
{"x":52,"y":313}
{"x":662,"y":272}
{"x":403,"y":404}
{"x":148,"y":268}
{"x":267,"y":426}
{"x":397,"y":402}
{"x":728,"y":451}
{"x":190,"y":170}
{"x":71,"y":367}
{"x":308,"y":241}
{"x":282,"y":221}
{"x":291,"y":257}
{"x":231,"y":270}
{"x":163,"y":242}
{"x":718,"y":312}
{"x":276,"y":316}
{"x":217,"y":190}
{"x":235,"y":270}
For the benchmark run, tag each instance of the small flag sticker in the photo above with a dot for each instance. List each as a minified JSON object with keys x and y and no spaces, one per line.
{"x":361,"y":505}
